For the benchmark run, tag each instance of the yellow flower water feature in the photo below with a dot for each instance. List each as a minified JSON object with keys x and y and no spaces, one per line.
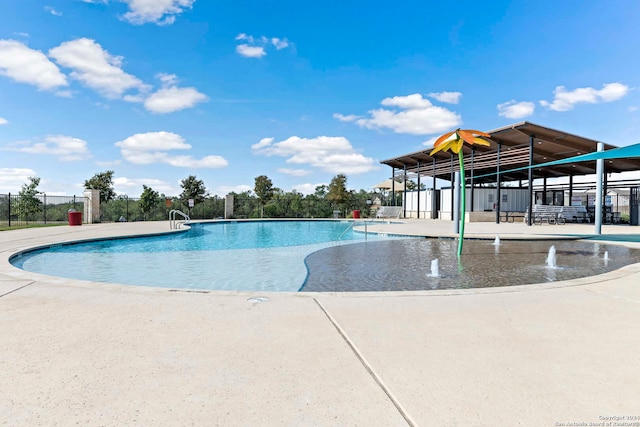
{"x":453,"y":141}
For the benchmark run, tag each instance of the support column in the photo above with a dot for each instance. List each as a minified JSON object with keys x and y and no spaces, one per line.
{"x":530,"y":213}
{"x":418,"y":215}
{"x":453,"y":187}
{"x":605,"y":191}
{"x":91,"y":206}
{"x":599,"y":201}
{"x":570,"y":189}
{"x":228,"y":206}
{"x":498,"y":184}
{"x":473,"y":152}
{"x":544,"y":190}
{"x":434,"y":210}
{"x":393,"y":186}
{"x":404,"y":193}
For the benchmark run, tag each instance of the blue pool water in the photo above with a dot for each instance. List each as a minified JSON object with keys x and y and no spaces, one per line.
{"x":251,"y":256}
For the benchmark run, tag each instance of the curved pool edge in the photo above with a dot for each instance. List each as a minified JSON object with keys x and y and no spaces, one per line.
{"x":27,"y":240}
{"x":14,"y":243}
{"x":94,"y":239}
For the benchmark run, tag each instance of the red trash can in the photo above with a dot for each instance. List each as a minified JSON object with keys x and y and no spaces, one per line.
{"x":356,"y":214}
{"x":75,"y":218}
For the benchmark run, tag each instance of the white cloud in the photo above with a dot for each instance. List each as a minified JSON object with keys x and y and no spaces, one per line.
{"x":26,"y":65}
{"x":12,"y":179}
{"x":294,"y":172}
{"x":516,"y":110}
{"x":279,"y":43}
{"x":307,"y":188}
{"x":448,"y":97}
{"x":565,"y":100}
{"x":417,"y":116}
{"x":632,"y":108}
{"x":414,"y":101}
{"x":124,"y":185}
{"x":66,"y":148}
{"x":264,"y":142}
{"x":250,"y":51}
{"x":137,"y":98}
{"x":3,"y":121}
{"x":243,"y":36}
{"x":161,"y":141}
{"x":95,"y":67}
{"x":331,"y":154}
{"x":343,"y":118}
{"x":167,"y":79}
{"x":351,"y":163}
{"x":161,"y":12}
{"x":173,"y":99}
{"x":429,"y":142}
{"x":255,"y":47}
{"x":53,"y":11}
{"x":613,"y":92}
{"x":153,"y":147}
{"x":170,"y":99}
{"x":212,"y":162}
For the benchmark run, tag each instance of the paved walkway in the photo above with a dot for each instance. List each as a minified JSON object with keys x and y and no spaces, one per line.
{"x":74,"y":352}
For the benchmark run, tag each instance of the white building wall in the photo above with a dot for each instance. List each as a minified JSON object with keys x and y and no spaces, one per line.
{"x":484,"y":199}
{"x":411,"y":203}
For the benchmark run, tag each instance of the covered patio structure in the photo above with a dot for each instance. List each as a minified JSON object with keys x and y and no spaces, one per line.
{"x":511,"y":158}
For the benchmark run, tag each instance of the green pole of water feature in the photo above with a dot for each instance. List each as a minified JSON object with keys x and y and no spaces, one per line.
{"x":463,"y":191}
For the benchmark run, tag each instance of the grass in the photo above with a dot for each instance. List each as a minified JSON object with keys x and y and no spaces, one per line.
{"x":18,"y":227}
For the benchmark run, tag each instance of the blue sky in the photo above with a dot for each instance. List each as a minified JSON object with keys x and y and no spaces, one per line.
{"x":157,"y":90}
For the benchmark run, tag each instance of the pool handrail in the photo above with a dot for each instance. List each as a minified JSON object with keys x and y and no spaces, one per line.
{"x":347,"y":229}
{"x":173,"y":224}
{"x":354,"y":223}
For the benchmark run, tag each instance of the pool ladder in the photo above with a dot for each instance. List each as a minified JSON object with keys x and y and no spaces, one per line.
{"x":351,"y":226}
{"x":173,"y":223}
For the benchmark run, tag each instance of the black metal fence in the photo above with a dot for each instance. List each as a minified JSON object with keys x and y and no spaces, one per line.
{"x":124,"y":208}
{"x":16,"y":210}
{"x":43,"y":209}
{"x":38,"y":209}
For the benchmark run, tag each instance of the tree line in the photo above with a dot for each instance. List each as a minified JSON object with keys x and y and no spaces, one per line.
{"x":264,"y":201}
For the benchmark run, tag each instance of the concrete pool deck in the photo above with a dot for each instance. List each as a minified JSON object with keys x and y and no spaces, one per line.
{"x":74,"y":352}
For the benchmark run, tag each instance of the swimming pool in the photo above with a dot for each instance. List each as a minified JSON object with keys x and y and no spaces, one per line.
{"x":320,"y":255}
{"x":233,"y":255}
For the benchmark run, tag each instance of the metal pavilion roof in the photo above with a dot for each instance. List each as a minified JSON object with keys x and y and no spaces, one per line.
{"x":549,"y":145}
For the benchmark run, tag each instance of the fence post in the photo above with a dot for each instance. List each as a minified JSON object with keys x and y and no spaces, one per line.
{"x":45,"y":207}
{"x":9,"y":209}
